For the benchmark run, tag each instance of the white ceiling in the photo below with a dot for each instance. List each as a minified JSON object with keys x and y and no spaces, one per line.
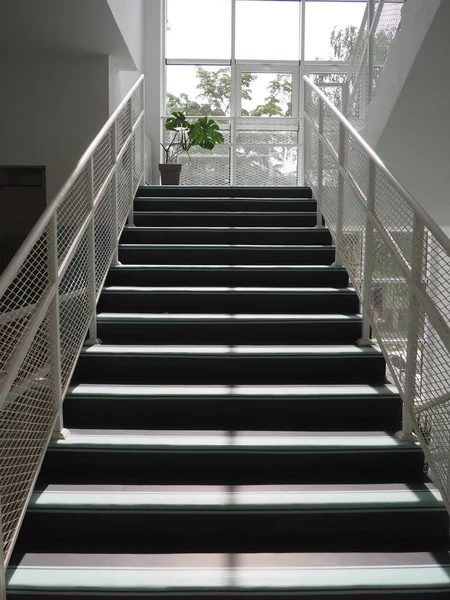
{"x":85,"y":27}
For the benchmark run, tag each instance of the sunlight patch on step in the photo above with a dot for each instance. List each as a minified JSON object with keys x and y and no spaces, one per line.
{"x":228,"y":390}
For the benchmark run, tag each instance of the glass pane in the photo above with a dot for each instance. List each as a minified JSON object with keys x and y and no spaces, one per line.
{"x":198,"y":90}
{"x":332,"y":29}
{"x":266,"y":94}
{"x":267,"y":30}
{"x":198,"y":29}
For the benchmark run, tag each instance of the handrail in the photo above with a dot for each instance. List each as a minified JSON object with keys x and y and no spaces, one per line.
{"x":13,"y":267}
{"x":414,"y":205}
{"x":48,"y":297}
{"x":398,"y":260}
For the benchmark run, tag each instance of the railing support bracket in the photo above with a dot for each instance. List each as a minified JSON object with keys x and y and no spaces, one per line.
{"x":365,"y":342}
{"x":93,"y":342}
{"x":405,"y":437}
{"x":60,"y":435}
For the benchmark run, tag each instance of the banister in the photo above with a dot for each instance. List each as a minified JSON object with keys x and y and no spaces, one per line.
{"x":39,"y":227}
{"x":428,"y":221}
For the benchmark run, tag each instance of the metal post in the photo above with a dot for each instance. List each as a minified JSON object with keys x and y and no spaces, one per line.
{"x":92,"y":340}
{"x":142,"y":126}
{"x":2,"y":561}
{"x":370,"y":48}
{"x":115,"y":260}
{"x":340,"y":198}
{"x":369,"y":241}
{"x":414,"y":322}
{"x":130,"y":222}
{"x":319,"y":219}
{"x":59,"y":432}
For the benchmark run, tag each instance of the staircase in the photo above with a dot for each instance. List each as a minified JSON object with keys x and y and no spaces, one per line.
{"x":228,"y":437}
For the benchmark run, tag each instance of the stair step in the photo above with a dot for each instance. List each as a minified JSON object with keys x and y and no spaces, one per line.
{"x":355,"y":407}
{"x":228,"y":300}
{"x":309,"y":575}
{"x":225,"y":235}
{"x":228,"y":254}
{"x":191,"y":518}
{"x":185,"y":218}
{"x":211,"y":204}
{"x":222,"y":457}
{"x":219,"y":275}
{"x":164,"y":328}
{"x":175,"y":191}
{"x":230,"y":364}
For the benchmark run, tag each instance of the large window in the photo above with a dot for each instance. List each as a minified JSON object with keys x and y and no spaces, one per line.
{"x":242,"y":61}
{"x":267,"y":30}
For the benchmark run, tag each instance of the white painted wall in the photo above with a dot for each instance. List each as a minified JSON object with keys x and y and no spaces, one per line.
{"x":417,"y":16}
{"x":154,"y":69}
{"x":51,"y":108}
{"x":129,"y":16}
{"x":120,"y":82}
{"x":415,"y":142}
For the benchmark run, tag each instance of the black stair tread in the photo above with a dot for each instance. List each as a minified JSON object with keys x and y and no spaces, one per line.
{"x":232,"y":191}
{"x":260,"y":575}
{"x":229,"y":228}
{"x":227,"y":290}
{"x":199,"y":441}
{"x":333,"y":407}
{"x":215,"y":213}
{"x":314,"y":247}
{"x":248,"y":275}
{"x":254,"y":350}
{"x":260,"y":498}
{"x":227,"y":268}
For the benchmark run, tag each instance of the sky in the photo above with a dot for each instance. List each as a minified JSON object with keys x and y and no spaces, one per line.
{"x":265,"y":30}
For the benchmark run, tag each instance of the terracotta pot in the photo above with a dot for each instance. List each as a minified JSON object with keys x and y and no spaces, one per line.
{"x":170,"y":174}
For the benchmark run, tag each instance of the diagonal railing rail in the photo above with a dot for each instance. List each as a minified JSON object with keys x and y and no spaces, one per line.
{"x":398,"y":260}
{"x":48,"y":296}
{"x":378,"y":29}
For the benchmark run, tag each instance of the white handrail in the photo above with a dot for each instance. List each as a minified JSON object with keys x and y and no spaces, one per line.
{"x":414,"y":205}
{"x":49,"y":292}
{"x":13,"y":267}
{"x":398,"y":260}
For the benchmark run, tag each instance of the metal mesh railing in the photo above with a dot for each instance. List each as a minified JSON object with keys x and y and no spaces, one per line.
{"x":398,"y":260}
{"x":378,"y":30}
{"x":257,"y":151}
{"x":47,"y":300}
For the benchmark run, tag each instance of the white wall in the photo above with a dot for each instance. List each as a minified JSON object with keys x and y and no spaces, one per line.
{"x":120,"y":83}
{"x":129,"y":16}
{"x":415,"y":143}
{"x":154,"y":69}
{"x":417,"y":16}
{"x":51,"y":108}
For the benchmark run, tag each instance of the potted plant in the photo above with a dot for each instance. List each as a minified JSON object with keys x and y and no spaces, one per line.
{"x":203,"y":132}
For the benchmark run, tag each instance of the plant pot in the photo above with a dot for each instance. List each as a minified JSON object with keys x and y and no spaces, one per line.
{"x":170,"y":174}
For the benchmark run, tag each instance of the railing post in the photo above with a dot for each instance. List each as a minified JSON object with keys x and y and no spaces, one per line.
{"x":2,"y":560}
{"x":340,"y":197}
{"x":92,"y":339}
{"x":233,"y":126}
{"x":59,"y":432}
{"x":319,"y":218}
{"x":369,"y":240}
{"x":370,"y":49}
{"x":142,"y":125}
{"x":115,"y":260}
{"x":414,"y":322}
{"x":130,"y":222}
